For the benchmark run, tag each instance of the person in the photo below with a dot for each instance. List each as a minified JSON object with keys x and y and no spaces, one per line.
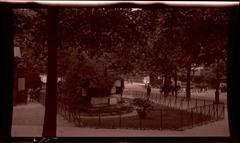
{"x":37,"y":94}
{"x":59,"y":87}
{"x":31,"y":95}
{"x":148,"y":91}
{"x":122,"y":88}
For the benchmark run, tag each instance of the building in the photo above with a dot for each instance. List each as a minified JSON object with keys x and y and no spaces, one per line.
{"x":20,"y":93}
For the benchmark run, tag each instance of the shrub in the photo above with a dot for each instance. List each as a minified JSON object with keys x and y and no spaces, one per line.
{"x":143,"y":106}
{"x":87,"y":76}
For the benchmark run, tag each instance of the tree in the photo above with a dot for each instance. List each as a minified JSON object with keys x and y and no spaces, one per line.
{"x":49,"y":125}
{"x":215,"y":44}
{"x":100,"y":35}
{"x":30,"y":36}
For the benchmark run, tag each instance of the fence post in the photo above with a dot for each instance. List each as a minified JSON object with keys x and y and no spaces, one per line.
{"x":181,"y":118}
{"x":140,"y":123}
{"x":209,"y":113}
{"x":204,"y":109}
{"x":99,"y":118}
{"x":156,"y":97}
{"x":201,"y":113}
{"x":176,"y":99}
{"x":79,"y":120}
{"x":164,"y":100}
{"x":214,"y":111}
{"x":161,"y":118}
{"x":223,"y":111}
{"x":169,"y":103}
{"x":181,"y":104}
{"x":204,"y":104}
{"x":160,"y":98}
{"x":120,"y":120}
{"x":192,"y":117}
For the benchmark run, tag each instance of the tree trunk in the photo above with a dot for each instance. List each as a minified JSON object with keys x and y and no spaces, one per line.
{"x":49,"y":126}
{"x":166,"y":84}
{"x":105,"y":71}
{"x":175,"y":81}
{"x":153,"y":79}
{"x":188,"y":88}
{"x":217,"y":83}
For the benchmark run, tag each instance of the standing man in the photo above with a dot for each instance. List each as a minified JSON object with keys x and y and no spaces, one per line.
{"x":122,"y":88}
{"x":148,"y":91}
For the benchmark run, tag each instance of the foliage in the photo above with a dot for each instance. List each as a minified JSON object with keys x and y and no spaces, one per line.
{"x":30,"y":36}
{"x":86,"y":75}
{"x":101,"y":36}
{"x":143,"y":42}
{"x":143,"y":106}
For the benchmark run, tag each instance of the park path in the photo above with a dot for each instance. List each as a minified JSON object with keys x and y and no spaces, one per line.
{"x":28,"y":120}
{"x":33,"y":114}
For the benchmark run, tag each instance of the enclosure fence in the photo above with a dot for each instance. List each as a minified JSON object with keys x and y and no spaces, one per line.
{"x":180,"y":116}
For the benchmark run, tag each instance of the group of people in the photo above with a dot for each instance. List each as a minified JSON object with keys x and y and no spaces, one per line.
{"x":34,"y":94}
{"x":163,"y":89}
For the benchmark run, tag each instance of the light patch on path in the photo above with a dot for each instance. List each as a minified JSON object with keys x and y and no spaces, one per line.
{"x":28,"y":120}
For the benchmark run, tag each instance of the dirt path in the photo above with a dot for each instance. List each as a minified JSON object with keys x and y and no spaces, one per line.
{"x":32,"y":114}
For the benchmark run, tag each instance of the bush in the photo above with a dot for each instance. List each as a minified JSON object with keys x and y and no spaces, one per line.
{"x":89,"y":77}
{"x":143,"y":106}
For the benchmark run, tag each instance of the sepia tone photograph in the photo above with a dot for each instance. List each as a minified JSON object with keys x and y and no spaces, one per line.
{"x":120,"y":72}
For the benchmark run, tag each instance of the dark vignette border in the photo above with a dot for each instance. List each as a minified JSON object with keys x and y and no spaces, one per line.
{"x":6,"y":86}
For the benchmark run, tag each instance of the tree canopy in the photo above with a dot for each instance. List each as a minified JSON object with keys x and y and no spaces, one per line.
{"x":124,"y":41}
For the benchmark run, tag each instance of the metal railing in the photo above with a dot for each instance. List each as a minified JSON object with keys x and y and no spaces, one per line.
{"x":171,"y":101}
{"x":159,"y":118}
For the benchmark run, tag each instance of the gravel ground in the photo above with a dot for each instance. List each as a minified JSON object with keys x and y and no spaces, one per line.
{"x":33,"y":114}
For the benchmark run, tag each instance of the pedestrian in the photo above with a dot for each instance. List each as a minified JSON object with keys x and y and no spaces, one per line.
{"x":148,"y":91}
{"x":31,"y":95}
{"x":122,"y":88}
{"x":37,"y":94}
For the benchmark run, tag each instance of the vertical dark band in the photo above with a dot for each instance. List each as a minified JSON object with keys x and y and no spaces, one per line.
{"x":6,"y":76}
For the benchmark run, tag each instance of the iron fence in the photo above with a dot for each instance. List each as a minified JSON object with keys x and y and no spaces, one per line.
{"x":160,"y":118}
{"x":171,"y":101}
{"x":175,"y":113}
